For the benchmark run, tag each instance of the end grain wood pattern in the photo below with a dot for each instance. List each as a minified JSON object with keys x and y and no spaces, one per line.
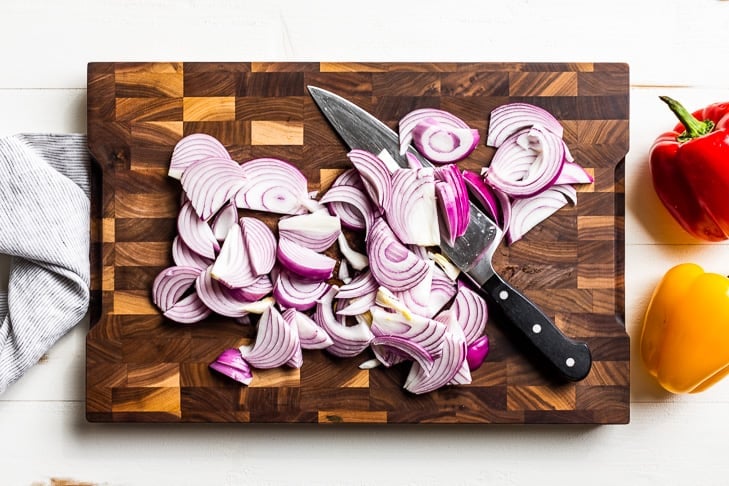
{"x":142,"y":368}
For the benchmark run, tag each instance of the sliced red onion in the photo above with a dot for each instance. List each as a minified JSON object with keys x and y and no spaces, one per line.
{"x":193,"y":148}
{"x":392,"y":264}
{"x":232,"y":267}
{"x":221,"y":222}
{"x":418,"y":298}
{"x":231,"y":364}
{"x":304,"y":261}
{"x":311,"y":336}
{"x":297,"y":360}
{"x":463,"y":375}
{"x":391,"y":350}
{"x":189,"y":310}
{"x":316,"y":231}
{"x":568,"y":191}
{"x":442,"y":290}
{"x":362,"y":284}
{"x":476,"y":352}
{"x":387,"y":299}
{"x":484,"y":194}
{"x":419,"y":251}
{"x":276,"y":187}
{"x":260,"y":243}
{"x":356,"y":306}
{"x":527,"y":213}
{"x":182,"y":255}
{"x":429,"y":116}
{"x":370,"y":364}
{"x":220,"y":299}
{"x":171,"y":283}
{"x":442,"y":144}
{"x":471,"y":312}
{"x":349,"y":177}
{"x":448,"y":216}
{"x":343,"y":272}
{"x":351,"y":204}
{"x":390,"y":162}
{"x":257,"y":290}
{"x":293,"y":291}
{"x":348,"y":341}
{"x":413,"y":161}
{"x":276,"y":344}
{"x":446,"y":366}
{"x":427,"y":332}
{"x":509,"y":118}
{"x":414,"y":218}
{"x":359,"y":261}
{"x":452,"y":175}
{"x":542,"y":148}
{"x":573,"y":173}
{"x":375,"y":176}
{"x":195,"y":233}
{"x":211,"y":183}
{"x":445,"y":265}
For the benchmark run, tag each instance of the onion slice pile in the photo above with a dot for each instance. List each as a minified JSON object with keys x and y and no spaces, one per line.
{"x":395,"y":299}
{"x":399,"y":299}
{"x":446,"y":366}
{"x":531,"y":173}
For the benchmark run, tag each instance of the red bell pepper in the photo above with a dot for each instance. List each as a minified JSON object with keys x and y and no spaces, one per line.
{"x":690,"y":170}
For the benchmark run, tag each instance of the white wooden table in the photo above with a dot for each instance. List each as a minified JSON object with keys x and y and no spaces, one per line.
{"x":674,"y":47}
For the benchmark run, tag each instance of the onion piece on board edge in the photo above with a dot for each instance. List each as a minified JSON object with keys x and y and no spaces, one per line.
{"x":231,"y":364}
{"x":193,"y":148}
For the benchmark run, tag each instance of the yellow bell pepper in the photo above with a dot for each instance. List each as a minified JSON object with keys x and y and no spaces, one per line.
{"x":685,"y":338}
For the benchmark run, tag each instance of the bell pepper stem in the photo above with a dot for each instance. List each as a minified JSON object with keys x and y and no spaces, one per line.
{"x":694,"y":128}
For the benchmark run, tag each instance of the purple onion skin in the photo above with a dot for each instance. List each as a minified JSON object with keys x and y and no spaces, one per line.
{"x":231,"y":364}
{"x":477,"y":352}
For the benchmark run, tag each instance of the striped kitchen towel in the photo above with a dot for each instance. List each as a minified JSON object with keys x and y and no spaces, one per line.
{"x":44,"y":228}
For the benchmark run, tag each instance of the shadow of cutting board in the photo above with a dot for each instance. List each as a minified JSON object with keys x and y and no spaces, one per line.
{"x":142,"y":368}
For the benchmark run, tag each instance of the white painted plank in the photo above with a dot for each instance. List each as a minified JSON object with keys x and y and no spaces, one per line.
{"x":51,"y":440}
{"x":42,"y":111}
{"x":664,"y":40}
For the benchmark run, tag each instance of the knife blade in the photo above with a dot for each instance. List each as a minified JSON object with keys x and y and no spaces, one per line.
{"x":472,"y":253}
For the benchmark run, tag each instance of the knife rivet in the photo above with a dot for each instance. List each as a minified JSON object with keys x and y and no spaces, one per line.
{"x":503,"y":295}
{"x":570,"y":362}
{"x":536,"y":328}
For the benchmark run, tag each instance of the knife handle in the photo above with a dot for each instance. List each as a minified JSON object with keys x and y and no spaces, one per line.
{"x":569,"y":358}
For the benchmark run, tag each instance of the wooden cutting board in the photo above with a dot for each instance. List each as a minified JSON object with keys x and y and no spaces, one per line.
{"x":142,"y":368}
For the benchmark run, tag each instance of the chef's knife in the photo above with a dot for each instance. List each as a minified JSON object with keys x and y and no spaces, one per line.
{"x":473,"y":251}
